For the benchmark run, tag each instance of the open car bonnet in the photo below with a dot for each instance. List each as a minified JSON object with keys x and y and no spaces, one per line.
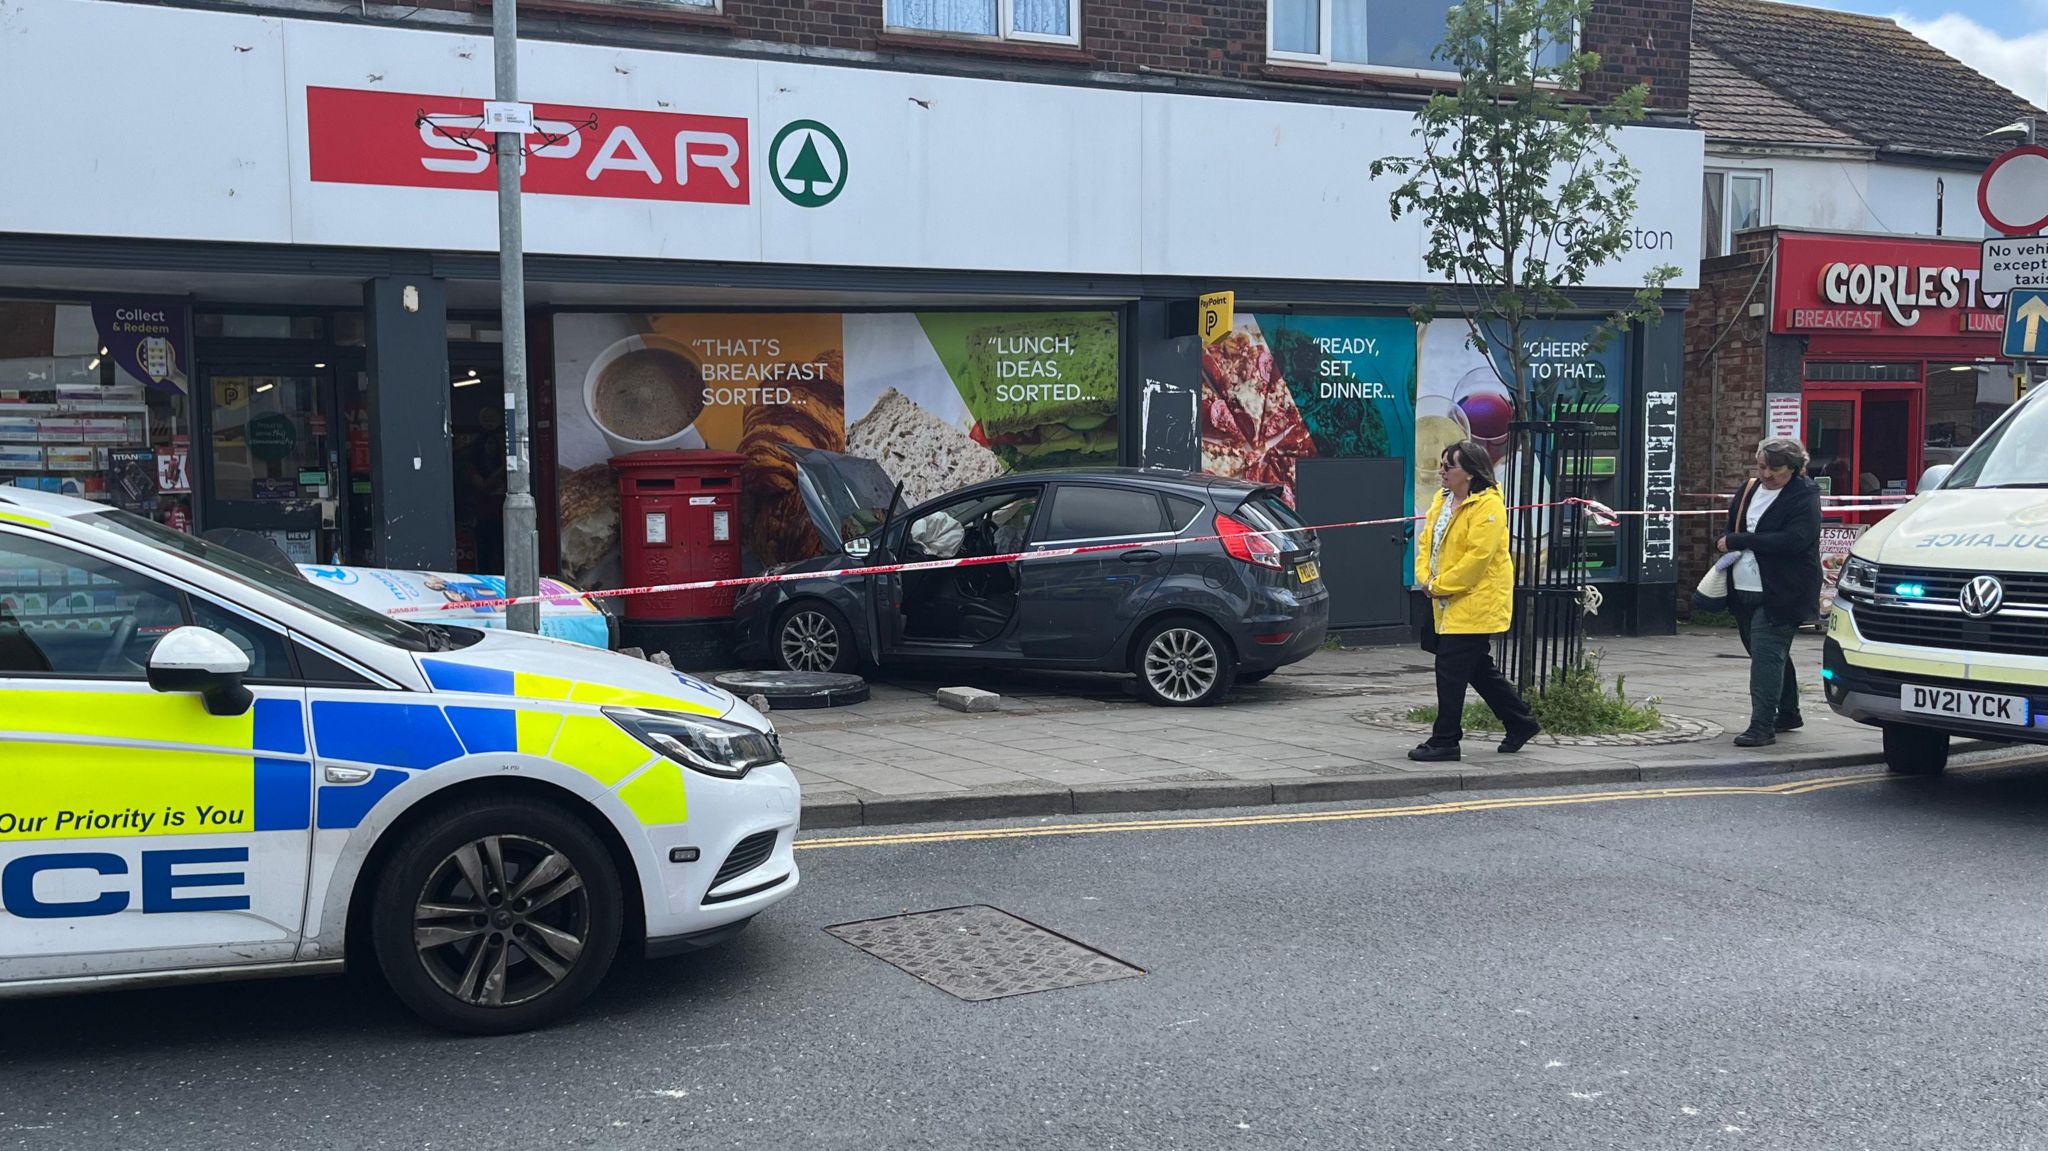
{"x":847,"y":496}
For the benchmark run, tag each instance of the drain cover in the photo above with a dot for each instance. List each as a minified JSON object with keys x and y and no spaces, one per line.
{"x":795,"y":690}
{"x":978,"y":952}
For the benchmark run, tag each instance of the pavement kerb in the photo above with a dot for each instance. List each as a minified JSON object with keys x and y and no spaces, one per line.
{"x":839,"y":811}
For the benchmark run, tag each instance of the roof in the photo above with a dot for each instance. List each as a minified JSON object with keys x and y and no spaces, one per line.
{"x":1862,"y":76}
{"x":1732,"y":106}
{"x":29,"y":501}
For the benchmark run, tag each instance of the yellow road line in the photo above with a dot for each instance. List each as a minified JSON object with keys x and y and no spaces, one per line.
{"x":1451,"y":807}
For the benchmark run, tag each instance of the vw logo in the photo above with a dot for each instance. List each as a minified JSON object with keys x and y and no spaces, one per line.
{"x":1982,"y":596}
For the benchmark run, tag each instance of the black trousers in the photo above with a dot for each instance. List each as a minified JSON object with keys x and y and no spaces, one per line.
{"x":1464,"y":661}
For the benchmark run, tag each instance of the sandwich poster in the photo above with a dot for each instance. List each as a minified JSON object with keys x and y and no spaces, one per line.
{"x":939,"y":400}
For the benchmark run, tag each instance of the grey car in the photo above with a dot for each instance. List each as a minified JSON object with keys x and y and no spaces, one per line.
{"x":1242,"y":597}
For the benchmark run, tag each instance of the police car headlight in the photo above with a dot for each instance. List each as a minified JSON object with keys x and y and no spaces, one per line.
{"x":699,"y":742}
{"x":1859,"y":577}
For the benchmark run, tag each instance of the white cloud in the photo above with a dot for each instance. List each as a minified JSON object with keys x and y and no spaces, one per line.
{"x":2018,"y":62}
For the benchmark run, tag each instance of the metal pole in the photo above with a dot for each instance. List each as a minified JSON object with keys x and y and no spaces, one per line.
{"x":522,"y":551}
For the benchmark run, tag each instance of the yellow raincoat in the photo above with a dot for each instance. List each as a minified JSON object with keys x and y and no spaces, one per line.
{"x":1476,"y":573}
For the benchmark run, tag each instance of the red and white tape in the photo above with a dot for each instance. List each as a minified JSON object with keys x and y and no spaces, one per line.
{"x":1599,"y":512}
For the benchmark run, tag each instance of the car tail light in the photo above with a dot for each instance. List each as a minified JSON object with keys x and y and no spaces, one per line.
{"x":1244,"y":543}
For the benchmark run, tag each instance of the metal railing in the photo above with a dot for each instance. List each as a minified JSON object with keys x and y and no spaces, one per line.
{"x":1547,"y":464}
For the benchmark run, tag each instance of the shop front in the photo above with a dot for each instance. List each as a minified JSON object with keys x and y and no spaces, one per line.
{"x":954,"y":277}
{"x":1896,"y":353}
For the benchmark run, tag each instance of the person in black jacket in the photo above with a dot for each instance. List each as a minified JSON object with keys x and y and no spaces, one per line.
{"x":1774,"y":522}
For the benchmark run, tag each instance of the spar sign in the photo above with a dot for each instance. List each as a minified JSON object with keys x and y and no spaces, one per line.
{"x":407,"y":140}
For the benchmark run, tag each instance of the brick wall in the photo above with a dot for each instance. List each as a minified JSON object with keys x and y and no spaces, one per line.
{"x":1717,"y":439}
{"x":1646,"y":41}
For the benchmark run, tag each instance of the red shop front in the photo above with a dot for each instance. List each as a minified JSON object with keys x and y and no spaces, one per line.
{"x":1900,"y":367}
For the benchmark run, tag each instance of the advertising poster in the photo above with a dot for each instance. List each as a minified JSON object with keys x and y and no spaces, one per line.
{"x":1282,"y":388}
{"x":938,"y":399}
{"x":145,"y":339}
{"x":565,"y":616}
{"x":1460,"y":395}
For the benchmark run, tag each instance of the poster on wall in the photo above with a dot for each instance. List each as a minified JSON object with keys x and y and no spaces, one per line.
{"x":1283,"y":388}
{"x":1460,"y":395}
{"x":938,"y":399}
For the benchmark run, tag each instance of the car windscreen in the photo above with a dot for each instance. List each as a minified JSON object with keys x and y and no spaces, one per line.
{"x":2013,"y":454}
{"x":288,"y":586}
{"x":1266,"y":511}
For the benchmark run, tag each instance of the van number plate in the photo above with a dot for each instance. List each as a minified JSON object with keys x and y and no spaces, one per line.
{"x":1947,"y":701}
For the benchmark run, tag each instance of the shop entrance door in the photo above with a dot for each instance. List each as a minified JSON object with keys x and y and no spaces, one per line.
{"x":1864,"y":442}
{"x":476,"y":434}
{"x":273,"y":460}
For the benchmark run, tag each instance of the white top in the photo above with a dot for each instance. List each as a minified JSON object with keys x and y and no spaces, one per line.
{"x":1748,"y":576}
{"x":1437,"y":532}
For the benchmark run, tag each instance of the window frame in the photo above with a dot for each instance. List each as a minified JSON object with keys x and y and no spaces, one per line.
{"x":1322,"y":58}
{"x":1727,"y":178}
{"x":1006,"y":32}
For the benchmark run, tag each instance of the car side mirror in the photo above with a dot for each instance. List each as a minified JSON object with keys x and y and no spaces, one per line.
{"x":859,"y":546}
{"x":1932,"y":477}
{"x":192,"y":659}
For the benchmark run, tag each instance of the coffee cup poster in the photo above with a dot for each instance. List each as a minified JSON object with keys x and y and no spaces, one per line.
{"x":938,"y":399}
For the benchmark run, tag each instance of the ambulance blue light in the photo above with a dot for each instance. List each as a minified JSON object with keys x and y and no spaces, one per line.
{"x":1912,"y":591}
{"x":1827,"y":673}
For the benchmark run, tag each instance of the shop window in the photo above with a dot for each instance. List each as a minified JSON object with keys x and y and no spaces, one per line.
{"x":1031,"y":21}
{"x":1398,"y":36}
{"x":1732,"y":202}
{"x":1963,"y":399}
{"x":1862,"y":372}
{"x":93,"y":403}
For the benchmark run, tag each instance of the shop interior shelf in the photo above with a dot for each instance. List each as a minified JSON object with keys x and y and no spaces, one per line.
{"x":69,"y":409}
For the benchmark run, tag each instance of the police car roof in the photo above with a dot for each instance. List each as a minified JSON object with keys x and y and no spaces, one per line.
{"x":47,"y":503}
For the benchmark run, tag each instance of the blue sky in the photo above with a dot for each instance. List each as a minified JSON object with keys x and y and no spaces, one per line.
{"x":2006,"y":41}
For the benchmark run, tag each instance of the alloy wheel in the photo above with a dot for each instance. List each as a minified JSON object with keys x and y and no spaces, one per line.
{"x":1181,"y":664}
{"x":501,"y":920}
{"x":810,"y":642}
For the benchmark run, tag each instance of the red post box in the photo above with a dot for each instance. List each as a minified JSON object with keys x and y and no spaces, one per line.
{"x":679,"y":518}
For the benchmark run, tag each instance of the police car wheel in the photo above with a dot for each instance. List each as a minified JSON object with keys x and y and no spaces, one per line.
{"x":814,"y":637}
{"x":497,"y":916}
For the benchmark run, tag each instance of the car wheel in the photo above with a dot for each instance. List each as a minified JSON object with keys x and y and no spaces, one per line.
{"x":497,"y":916}
{"x":1915,"y":750}
{"x":814,"y":637}
{"x":1184,"y":663}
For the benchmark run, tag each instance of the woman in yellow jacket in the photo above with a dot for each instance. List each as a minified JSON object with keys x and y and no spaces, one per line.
{"x":1464,"y":566}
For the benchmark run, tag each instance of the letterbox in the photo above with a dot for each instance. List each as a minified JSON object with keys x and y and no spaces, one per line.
{"x":679,"y":518}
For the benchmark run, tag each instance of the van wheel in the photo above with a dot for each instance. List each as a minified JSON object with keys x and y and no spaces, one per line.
{"x":1915,"y":750}
{"x":1183,"y":663}
{"x":496,"y":916}
{"x":814,"y":637}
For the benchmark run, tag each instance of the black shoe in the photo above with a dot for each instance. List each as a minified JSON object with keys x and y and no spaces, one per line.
{"x":1791,"y":722}
{"x":1434,"y":753}
{"x":1756,"y":737}
{"x":1513,"y":743}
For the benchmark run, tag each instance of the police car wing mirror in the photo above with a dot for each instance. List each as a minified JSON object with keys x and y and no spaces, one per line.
{"x":193,"y":659}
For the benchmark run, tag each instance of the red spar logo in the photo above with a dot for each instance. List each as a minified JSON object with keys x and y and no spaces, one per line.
{"x":357,"y":137}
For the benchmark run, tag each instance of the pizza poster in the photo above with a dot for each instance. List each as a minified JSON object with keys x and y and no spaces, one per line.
{"x":1282,"y":388}
{"x":939,"y":400}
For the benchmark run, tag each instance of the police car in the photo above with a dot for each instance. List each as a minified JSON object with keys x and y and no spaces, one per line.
{"x":212,"y":771}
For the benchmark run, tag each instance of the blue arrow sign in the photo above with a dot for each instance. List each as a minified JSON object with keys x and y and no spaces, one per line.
{"x":2026,"y":324}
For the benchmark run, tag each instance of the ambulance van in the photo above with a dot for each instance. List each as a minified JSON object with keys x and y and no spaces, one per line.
{"x":212,"y":769}
{"x":1940,"y":623}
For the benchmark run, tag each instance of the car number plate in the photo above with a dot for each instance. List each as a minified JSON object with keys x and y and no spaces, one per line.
{"x":1309,"y":572}
{"x":1957,"y":704}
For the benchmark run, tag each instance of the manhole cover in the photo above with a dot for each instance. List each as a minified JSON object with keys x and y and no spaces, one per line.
{"x":795,"y":690}
{"x":978,"y":952}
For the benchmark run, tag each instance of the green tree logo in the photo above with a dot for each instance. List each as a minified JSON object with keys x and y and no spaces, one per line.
{"x":800,"y":171}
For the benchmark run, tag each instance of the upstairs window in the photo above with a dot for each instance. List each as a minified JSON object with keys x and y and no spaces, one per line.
{"x":1397,"y":36}
{"x":1029,"y":21}
{"x":1732,"y":202}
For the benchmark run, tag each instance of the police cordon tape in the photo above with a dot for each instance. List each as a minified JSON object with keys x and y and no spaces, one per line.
{"x":1598,"y":511}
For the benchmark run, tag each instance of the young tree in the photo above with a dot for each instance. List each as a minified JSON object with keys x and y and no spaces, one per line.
{"x":1520,"y":182}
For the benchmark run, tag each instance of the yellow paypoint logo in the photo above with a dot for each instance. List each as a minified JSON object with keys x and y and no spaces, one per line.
{"x":1218,"y":315}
